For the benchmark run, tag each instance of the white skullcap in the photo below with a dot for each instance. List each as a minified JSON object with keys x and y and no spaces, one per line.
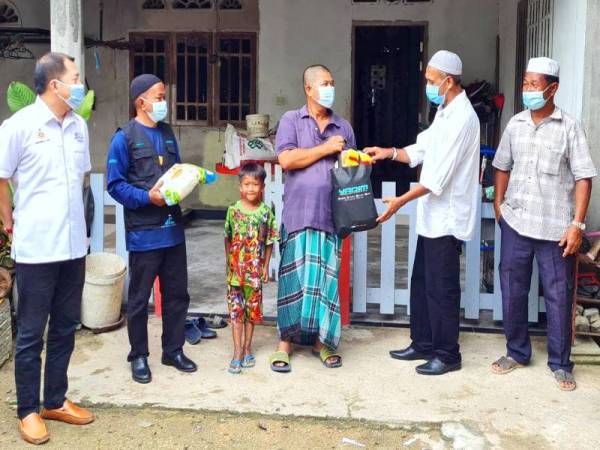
{"x":446,"y":62}
{"x":543,"y":65}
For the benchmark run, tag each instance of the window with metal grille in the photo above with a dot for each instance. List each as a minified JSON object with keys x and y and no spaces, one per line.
{"x":230,"y":4}
{"x":534,"y":38}
{"x":539,"y":28}
{"x":8,"y":14}
{"x":153,"y":4}
{"x":192,"y":4}
{"x":211,"y":77}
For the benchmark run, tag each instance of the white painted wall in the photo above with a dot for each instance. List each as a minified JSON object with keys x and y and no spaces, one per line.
{"x":294,"y":34}
{"x":568,"y":48}
{"x":507,"y":25}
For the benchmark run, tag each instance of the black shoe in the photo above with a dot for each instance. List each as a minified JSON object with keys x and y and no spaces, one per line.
{"x":207,"y":333}
{"x":140,"y":371}
{"x":437,"y":367}
{"x":179,"y":361}
{"x":410,"y":354}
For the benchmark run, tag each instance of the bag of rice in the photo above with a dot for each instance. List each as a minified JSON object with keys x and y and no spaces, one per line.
{"x":181,"y":179}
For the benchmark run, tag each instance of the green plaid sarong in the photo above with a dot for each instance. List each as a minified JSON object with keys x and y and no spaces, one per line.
{"x":308,"y":304}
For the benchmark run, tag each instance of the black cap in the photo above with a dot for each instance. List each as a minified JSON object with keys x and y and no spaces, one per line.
{"x":141,"y":84}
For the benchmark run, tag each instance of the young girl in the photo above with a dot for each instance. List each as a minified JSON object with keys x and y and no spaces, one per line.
{"x":250,"y":231}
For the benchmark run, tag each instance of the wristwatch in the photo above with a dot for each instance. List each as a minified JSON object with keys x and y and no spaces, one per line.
{"x":579,"y":225}
{"x":394,"y":154}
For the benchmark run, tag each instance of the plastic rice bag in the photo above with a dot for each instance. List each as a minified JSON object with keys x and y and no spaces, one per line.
{"x":181,"y":179}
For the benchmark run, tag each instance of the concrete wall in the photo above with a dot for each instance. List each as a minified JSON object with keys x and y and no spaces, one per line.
{"x":295,"y":34}
{"x":568,"y":48}
{"x":591,"y":101}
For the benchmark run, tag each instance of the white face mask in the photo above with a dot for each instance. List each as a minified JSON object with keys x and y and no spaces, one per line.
{"x":326,"y":96}
{"x":159,"y":111}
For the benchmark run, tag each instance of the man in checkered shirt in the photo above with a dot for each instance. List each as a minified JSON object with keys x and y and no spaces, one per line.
{"x":543,"y":186}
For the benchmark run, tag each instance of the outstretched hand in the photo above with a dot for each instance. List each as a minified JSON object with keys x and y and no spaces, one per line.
{"x":377,"y":153}
{"x":393,"y":205}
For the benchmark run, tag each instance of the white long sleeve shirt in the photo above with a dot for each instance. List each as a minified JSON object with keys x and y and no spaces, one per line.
{"x":449,"y":152}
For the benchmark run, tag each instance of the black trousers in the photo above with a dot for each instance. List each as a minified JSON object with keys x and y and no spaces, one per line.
{"x":170,"y":265}
{"x":51,"y":290}
{"x":435,"y":298}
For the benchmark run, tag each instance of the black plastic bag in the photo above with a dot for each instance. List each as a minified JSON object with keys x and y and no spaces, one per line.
{"x":352,"y":201}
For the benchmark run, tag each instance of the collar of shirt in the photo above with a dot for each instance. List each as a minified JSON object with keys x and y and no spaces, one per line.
{"x":44,"y":114}
{"x":456,"y":103}
{"x":333,"y":118}
{"x":525,"y":116}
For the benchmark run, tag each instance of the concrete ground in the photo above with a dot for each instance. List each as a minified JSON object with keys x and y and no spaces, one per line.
{"x":520,"y":410}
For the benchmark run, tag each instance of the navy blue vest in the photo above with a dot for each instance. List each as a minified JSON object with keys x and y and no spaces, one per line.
{"x":144,"y":172}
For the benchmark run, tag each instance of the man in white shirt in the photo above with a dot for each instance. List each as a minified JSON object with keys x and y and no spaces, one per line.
{"x":447,"y":195}
{"x":44,"y":151}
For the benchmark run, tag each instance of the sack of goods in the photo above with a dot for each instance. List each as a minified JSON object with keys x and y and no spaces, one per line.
{"x":352,"y":202}
{"x":181,"y":179}
{"x":240,"y":148}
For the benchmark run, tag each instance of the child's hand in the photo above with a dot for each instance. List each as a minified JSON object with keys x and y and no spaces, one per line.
{"x":265,"y":274}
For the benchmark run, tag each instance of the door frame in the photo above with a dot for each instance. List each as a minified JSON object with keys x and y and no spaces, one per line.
{"x":391,"y":23}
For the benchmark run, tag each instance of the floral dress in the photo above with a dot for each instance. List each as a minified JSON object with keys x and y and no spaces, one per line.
{"x":249,"y":233}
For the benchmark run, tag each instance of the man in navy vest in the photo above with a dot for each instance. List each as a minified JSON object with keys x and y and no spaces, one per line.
{"x":140,"y":152}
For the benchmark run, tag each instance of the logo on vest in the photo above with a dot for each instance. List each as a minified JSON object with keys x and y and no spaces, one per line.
{"x":170,"y":222}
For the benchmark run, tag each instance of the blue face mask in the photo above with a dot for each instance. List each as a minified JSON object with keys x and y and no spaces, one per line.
{"x":159,"y":110}
{"x":534,"y":100}
{"x":326,"y":96}
{"x":76,"y":96}
{"x":433,"y":93}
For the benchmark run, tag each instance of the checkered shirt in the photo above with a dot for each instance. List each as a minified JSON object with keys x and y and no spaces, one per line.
{"x":544,"y":161}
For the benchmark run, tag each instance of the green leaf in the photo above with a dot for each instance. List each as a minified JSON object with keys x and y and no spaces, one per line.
{"x":85,"y":110}
{"x":18,"y":96}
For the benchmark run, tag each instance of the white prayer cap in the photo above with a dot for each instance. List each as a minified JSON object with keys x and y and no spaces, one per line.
{"x":543,"y":65}
{"x":446,"y":61}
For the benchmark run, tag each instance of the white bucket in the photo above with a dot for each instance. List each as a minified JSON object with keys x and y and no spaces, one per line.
{"x":257,"y":125}
{"x":103,"y":290}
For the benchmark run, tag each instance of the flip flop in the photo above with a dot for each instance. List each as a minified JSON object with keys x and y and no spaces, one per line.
{"x":280,"y":357}
{"x":506,"y":365}
{"x":562,"y":376}
{"x":249,"y":362}
{"x":235,"y":367}
{"x":324,"y":354}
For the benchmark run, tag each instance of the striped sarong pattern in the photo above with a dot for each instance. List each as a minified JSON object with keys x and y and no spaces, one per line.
{"x":308,"y":304}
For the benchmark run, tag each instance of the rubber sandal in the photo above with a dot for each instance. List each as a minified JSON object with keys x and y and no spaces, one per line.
{"x":202,"y":325}
{"x":235,"y":367}
{"x":192,"y":333}
{"x":249,"y":362}
{"x":562,"y":376}
{"x":325,"y":354}
{"x":280,"y":357}
{"x":506,"y":365}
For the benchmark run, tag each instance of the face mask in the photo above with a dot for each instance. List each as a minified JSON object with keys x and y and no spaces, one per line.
{"x":326,"y":96}
{"x":433,"y":93}
{"x":159,"y":110}
{"x":76,"y":96}
{"x":534,"y":100}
